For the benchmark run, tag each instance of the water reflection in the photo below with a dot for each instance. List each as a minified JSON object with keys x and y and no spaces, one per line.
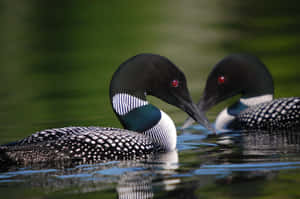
{"x":263,"y":143}
{"x":238,"y":160}
{"x":134,"y":179}
{"x":254,"y":155}
{"x":141,"y":184}
{"x":231,"y":158}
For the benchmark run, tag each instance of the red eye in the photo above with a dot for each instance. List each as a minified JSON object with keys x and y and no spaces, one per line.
{"x":221,"y":79}
{"x":175,"y":83}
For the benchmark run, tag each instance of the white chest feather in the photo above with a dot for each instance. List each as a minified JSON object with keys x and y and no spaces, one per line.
{"x":164,"y":133}
{"x":223,"y":119}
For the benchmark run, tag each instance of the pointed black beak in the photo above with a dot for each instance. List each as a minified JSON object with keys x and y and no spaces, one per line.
{"x":195,"y":113}
{"x":202,"y":106}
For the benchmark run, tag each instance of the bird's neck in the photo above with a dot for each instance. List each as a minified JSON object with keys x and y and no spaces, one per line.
{"x":228,"y":115}
{"x":139,"y":115}
{"x":244,"y":103}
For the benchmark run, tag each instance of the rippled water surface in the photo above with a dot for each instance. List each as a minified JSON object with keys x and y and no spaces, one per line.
{"x":56,"y":61}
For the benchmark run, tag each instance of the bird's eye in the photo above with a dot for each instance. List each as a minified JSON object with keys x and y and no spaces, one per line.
{"x":175,"y":83}
{"x":221,"y":79}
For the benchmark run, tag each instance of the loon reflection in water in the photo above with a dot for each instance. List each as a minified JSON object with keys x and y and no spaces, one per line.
{"x":130,"y":178}
{"x":259,"y":143}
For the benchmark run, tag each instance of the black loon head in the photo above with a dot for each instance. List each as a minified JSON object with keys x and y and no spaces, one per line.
{"x":149,"y":74}
{"x":236,"y":74}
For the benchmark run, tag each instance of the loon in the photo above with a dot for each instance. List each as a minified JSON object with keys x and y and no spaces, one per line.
{"x":246,"y":75}
{"x":147,"y":128}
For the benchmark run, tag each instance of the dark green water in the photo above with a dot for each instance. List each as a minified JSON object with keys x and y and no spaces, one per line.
{"x":56,"y":61}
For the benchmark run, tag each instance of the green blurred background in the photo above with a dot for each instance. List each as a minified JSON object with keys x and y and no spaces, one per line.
{"x":57,"y":57}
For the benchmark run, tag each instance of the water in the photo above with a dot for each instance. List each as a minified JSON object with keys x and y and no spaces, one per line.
{"x":57,"y":59}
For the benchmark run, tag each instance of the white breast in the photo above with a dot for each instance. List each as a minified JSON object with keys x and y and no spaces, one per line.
{"x":164,"y":133}
{"x":223,"y":119}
